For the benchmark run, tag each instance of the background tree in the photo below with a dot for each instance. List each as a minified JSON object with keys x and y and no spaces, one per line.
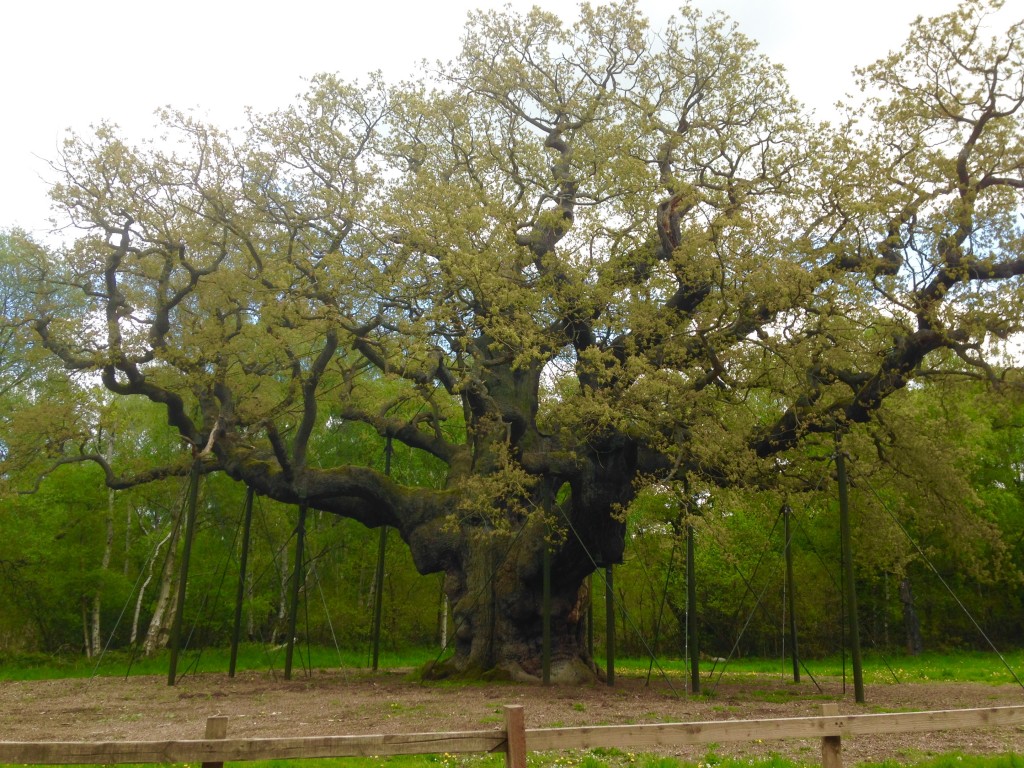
{"x":581,"y":258}
{"x":36,"y":419}
{"x":937,"y":509}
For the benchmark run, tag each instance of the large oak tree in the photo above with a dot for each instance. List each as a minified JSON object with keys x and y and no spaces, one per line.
{"x":574,"y":260}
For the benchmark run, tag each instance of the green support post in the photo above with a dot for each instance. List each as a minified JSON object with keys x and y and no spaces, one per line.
{"x":609,"y":602}
{"x":850,"y":585}
{"x":378,"y":579}
{"x":240,"y":592}
{"x":293,"y":611}
{"x":590,"y":616}
{"x":546,"y":618}
{"x":693,"y":637}
{"x":791,"y":592}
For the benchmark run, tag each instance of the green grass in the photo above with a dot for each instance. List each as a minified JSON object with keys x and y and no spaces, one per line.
{"x":957,"y":760}
{"x":962,"y":666}
{"x":617,"y":759}
{"x":39,"y":666}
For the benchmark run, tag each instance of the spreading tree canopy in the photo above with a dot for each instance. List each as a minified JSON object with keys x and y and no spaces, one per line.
{"x":577,"y":259}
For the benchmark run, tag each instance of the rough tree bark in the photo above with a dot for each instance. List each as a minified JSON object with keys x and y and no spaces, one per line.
{"x":139,"y":599}
{"x":158,"y":630}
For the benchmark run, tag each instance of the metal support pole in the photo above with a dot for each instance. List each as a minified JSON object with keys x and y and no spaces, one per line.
{"x":693,"y":638}
{"x":546,"y":618}
{"x":378,"y":594}
{"x":293,"y":610}
{"x":848,"y":572}
{"x":590,"y":616}
{"x":609,"y":603}
{"x":791,"y":592}
{"x":378,"y":580}
{"x":240,"y":593}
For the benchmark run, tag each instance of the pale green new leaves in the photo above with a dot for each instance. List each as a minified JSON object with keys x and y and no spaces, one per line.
{"x":642,"y":223}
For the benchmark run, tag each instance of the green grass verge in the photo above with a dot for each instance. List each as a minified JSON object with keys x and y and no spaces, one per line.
{"x":879,"y":668}
{"x":39,"y":666}
{"x":962,"y":666}
{"x":617,"y":759}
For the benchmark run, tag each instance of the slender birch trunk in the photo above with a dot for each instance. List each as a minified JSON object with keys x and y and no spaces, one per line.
{"x":150,"y":564}
{"x":159,"y":628}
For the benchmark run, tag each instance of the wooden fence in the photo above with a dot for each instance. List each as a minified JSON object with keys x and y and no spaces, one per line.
{"x":515,"y":740}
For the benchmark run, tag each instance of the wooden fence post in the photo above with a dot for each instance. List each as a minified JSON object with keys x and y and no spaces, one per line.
{"x":515,"y":740}
{"x":831,"y":746}
{"x":216,"y":728}
{"x":515,"y":730}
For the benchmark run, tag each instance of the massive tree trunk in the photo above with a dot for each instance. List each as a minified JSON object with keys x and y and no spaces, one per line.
{"x":495,"y":589}
{"x":494,"y":575}
{"x":487,"y":533}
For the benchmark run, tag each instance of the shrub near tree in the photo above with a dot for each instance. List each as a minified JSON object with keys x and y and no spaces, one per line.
{"x":573,"y":259}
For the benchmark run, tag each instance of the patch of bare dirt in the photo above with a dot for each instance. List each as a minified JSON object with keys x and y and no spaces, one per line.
{"x":338,"y":702}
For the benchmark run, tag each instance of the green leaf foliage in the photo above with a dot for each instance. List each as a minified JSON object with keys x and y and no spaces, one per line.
{"x":580,"y":260}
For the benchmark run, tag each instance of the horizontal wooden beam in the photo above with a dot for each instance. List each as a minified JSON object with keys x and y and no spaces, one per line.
{"x":537,"y":739}
{"x":229,"y":750}
{"x":676,"y":734}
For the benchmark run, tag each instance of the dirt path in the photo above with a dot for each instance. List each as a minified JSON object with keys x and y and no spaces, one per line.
{"x":334,"y":702}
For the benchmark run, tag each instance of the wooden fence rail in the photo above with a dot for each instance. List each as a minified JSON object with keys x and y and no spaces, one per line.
{"x":515,"y":740}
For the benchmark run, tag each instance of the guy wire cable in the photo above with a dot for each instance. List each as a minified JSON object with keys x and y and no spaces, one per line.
{"x":625,"y":613}
{"x":942,"y":581}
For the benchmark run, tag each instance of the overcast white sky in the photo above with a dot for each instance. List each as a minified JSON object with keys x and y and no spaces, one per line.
{"x":70,"y":63}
